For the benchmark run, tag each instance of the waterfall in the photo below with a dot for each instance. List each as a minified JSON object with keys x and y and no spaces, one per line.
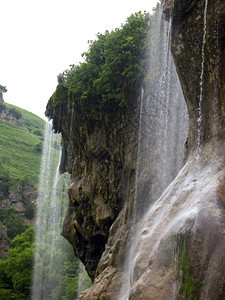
{"x":82,"y":282}
{"x":49,"y":218}
{"x":54,"y":264}
{"x":162,"y":133}
{"x":201,"y":79}
{"x":216,"y":57}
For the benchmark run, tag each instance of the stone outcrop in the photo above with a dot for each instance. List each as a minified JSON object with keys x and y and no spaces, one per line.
{"x":99,"y":149}
{"x":183,"y":257}
{"x":22,"y":197}
{"x":1,"y":98}
{"x":200,"y":65}
{"x":9,"y":115}
{"x":180,"y":253}
{"x":4,"y":241}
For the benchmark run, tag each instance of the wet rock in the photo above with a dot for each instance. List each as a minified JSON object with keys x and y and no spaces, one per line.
{"x":185,"y":268}
{"x":99,"y":150}
{"x":201,"y":65}
{"x":183,"y":257}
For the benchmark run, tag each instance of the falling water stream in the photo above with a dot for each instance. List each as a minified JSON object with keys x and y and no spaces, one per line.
{"x":163,"y":131}
{"x":54,"y":256}
{"x":52,"y":201}
{"x":201,"y":79}
{"x":216,"y":57}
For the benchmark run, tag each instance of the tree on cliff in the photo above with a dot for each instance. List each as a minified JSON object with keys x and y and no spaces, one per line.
{"x":114,"y":65}
{"x":3,"y":89}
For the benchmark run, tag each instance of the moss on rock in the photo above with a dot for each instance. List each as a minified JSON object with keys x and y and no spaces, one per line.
{"x":189,"y":289}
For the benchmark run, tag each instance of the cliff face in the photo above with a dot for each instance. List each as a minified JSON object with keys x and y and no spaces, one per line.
{"x":198,"y":47}
{"x":183,"y":257}
{"x":22,"y":197}
{"x":99,"y":149}
{"x":180,"y":253}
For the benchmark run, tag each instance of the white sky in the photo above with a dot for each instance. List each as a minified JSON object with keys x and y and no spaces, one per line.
{"x":41,"y":38}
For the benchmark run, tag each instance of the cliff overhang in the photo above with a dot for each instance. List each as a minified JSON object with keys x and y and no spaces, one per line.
{"x":99,"y":150}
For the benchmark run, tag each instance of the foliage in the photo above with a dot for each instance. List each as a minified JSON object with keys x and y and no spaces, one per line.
{"x":12,"y":221}
{"x":38,"y":147}
{"x":14,"y":112}
{"x":16,"y":269}
{"x":64,"y":281}
{"x":18,"y":156}
{"x":59,"y":96}
{"x":56,"y":268}
{"x":114,"y":66}
{"x":39,"y":132}
{"x":3,"y":89}
{"x":188,"y":289}
{"x":29,"y":120}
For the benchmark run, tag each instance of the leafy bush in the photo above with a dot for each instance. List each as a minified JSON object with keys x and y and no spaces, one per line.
{"x":16,"y":269}
{"x":12,"y":221}
{"x":38,"y":147}
{"x":38,"y":132}
{"x":114,"y":66}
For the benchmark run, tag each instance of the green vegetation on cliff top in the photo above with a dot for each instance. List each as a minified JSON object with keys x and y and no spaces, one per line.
{"x":20,"y":144}
{"x":114,"y":68}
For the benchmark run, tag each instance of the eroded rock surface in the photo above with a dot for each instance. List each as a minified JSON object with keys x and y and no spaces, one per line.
{"x":181,"y":249}
{"x":9,"y":115}
{"x":4,"y":241}
{"x":200,"y":64}
{"x":22,"y":197}
{"x":99,"y":149}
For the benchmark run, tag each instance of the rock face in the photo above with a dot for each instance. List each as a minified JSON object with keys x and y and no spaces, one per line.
{"x":183,"y":257}
{"x":204,"y":82}
{"x":9,"y":115}
{"x":1,"y":98}
{"x":99,"y":149}
{"x":4,"y":241}
{"x":22,"y":197}
{"x":180,"y":253}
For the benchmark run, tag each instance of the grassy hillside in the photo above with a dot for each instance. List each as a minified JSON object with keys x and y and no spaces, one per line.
{"x":21,"y":138}
{"x":20,"y":144}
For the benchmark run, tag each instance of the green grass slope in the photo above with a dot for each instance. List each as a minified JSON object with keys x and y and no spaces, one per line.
{"x":20,"y":145}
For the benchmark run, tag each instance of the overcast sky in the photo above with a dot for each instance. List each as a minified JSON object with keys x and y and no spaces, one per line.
{"x":41,"y":38}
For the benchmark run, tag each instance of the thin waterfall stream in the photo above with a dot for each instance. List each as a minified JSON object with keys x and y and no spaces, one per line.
{"x":163,"y":130}
{"x":201,"y":79}
{"x":55,"y":266}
